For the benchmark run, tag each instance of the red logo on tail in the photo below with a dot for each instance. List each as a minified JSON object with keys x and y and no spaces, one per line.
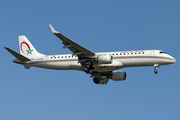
{"x":26,"y":45}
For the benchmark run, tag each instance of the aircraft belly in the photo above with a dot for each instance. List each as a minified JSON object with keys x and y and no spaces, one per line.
{"x":41,"y":65}
{"x":104,"y":68}
{"x":152,"y":61}
{"x":136,"y":62}
{"x":115,"y":65}
{"x":125,"y":62}
{"x":76,"y":66}
{"x":54,"y":65}
{"x":147,"y":62}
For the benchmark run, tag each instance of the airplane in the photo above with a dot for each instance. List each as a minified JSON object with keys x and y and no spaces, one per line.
{"x":101,"y":66}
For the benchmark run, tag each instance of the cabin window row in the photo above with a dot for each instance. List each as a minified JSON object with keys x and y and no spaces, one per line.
{"x":127,"y":53}
{"x":64,"y":57}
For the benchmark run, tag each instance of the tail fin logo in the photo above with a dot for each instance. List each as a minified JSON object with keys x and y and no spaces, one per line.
{"x":29,"y":51}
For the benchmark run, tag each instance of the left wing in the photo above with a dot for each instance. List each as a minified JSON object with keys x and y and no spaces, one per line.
{"x":73,"y":46}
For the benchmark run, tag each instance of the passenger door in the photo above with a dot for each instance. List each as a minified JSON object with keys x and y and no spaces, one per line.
{"x":152,"y":53}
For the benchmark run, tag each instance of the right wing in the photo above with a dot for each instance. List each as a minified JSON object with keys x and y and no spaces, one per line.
{"x":73,"y":46}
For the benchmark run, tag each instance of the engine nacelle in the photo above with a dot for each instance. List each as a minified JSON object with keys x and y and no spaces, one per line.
{"x":118,"y":76}
{"x":104,"y":59}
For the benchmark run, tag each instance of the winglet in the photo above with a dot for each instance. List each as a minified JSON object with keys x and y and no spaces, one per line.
{"x":52,"y":29}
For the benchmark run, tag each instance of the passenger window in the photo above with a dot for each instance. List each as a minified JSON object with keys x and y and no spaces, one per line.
{"x":161,"y":52}
{"x":135,"y":53}
{"x":65,"y":56}
{"x":131,"y":53}
{"x":124,"y":53}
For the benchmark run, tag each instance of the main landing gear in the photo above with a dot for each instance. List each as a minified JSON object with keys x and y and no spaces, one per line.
{"x":96,"y":80}
{"x":86,"y":69}
{"x":88,"y":66}
{"x":155,"y":68}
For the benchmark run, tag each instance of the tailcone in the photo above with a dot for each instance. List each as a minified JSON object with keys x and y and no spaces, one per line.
{"x":16,"y":61}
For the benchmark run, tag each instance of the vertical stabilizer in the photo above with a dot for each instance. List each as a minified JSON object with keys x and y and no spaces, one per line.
{"x":27,"y":49}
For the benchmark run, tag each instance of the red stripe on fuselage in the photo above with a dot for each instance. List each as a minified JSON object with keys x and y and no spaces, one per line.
{"x":144,"y":57}
{"x":113,"y":58}
{"x":52,"y":61}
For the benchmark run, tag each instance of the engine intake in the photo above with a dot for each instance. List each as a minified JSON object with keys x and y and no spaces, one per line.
{"x":118,"y":76}
{"x":104,"y":59}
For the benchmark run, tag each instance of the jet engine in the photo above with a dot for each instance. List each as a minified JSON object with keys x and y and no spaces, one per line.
{"x":118,"y":76}
{"x":104,"y":59}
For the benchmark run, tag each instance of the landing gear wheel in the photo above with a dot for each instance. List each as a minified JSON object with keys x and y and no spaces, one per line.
{"x":86,"y":69}
{"x":155,"y":68}
{"x":96,"y":80}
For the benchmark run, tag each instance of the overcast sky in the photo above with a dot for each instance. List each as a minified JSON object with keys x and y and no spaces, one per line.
{"x":100,"y":26}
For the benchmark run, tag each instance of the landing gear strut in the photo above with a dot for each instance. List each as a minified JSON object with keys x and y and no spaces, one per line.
{"x":91,"y":67}
{"x":155,"y":68}
{"x":86,"y":69}
{"x":88,"y":66}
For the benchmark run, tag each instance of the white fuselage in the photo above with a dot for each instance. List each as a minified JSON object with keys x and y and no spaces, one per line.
{"x":120,"y":60}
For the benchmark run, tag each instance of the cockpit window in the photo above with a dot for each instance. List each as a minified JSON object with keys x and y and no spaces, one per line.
{"x":161,"y":52}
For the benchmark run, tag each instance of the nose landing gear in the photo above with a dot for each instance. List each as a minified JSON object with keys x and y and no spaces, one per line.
{"x":155,"y":68}
{"x":155,"y":71}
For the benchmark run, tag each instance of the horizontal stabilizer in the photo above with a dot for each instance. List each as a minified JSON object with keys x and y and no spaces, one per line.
{"x":17,"y":55}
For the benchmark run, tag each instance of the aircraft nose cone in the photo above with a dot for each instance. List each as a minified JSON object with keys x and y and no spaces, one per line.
{"x":172,"y":60}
